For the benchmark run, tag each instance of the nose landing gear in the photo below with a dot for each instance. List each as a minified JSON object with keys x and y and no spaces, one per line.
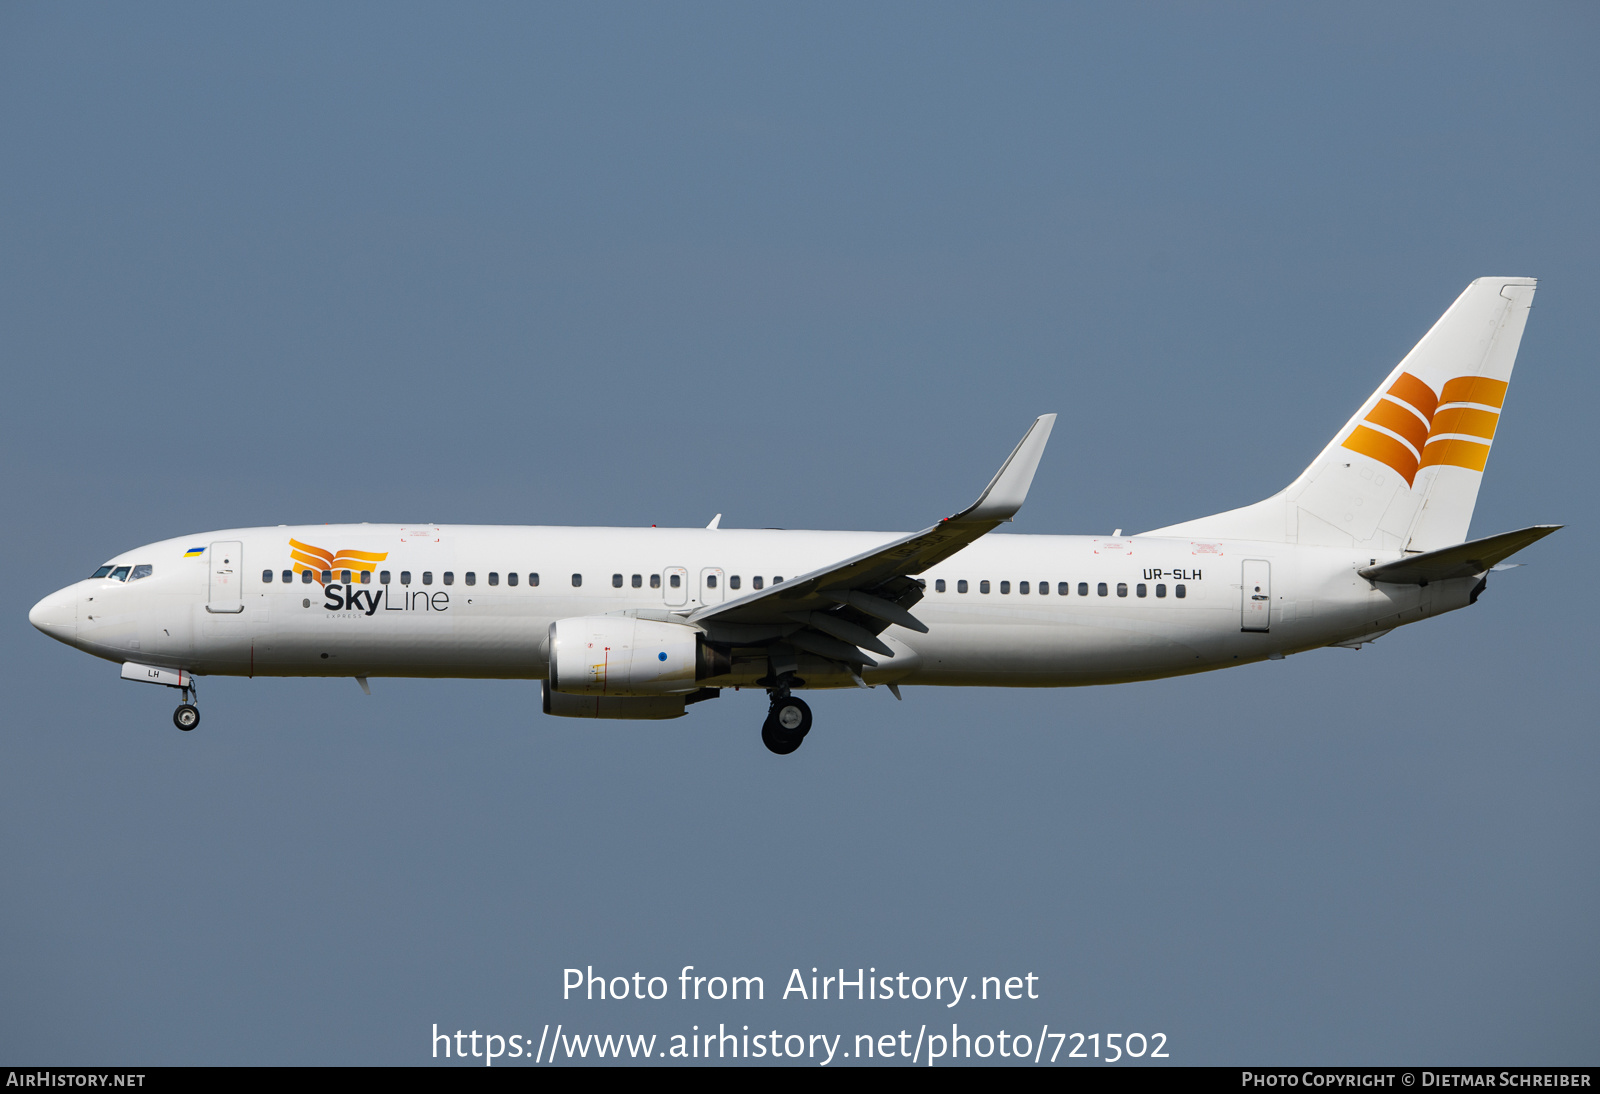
{"x":187,"y":716}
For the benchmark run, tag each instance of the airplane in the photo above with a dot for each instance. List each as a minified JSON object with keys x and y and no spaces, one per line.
{"x":642,"y":623}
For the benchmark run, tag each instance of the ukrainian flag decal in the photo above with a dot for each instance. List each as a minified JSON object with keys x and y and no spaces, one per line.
{"x":194,"y":552}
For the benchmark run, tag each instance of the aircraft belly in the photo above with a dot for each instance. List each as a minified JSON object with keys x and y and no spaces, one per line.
{"x":1061,"y":654}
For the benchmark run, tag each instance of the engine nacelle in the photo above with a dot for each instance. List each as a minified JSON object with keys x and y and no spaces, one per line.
{"x":618,"y":655}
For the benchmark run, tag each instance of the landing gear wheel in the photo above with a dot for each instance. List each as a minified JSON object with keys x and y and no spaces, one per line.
{"x":186,"y":717}
{"x":786,"y":726}
{"x":776,"y":740}
{"x":792,"y":716}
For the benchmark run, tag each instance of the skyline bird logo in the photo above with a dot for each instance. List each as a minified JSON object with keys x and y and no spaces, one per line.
{"x":320,"y":560}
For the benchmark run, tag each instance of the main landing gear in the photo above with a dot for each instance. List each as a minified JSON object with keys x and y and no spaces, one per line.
{"x":788,"y":722}
{"x":187,"y":716}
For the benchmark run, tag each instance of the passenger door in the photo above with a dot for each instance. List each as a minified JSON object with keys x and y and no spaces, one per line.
{"x":1256,"y":594}
{"x":226,"y":596}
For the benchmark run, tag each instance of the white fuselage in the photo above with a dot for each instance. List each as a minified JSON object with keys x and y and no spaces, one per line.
{"x":1033,"y":613}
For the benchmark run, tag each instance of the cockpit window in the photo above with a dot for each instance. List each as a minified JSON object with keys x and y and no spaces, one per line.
{"x":120,"y":573}
{"x":101,"y":572}
{"x":140,"y":571}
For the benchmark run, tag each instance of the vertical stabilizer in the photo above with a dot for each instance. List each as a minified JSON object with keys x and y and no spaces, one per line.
{"x":1403,"y":473}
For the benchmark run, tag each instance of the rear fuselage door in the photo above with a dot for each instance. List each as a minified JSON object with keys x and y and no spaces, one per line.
{"x":227,"y":577}
{"x":1257,"y":596}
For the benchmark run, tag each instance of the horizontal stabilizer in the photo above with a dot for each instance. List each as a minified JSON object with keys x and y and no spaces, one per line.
{"x":1463,"y":560}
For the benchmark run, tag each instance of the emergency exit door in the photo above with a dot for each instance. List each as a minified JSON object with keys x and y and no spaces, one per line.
{"x":713,"y":585}
{"x":227,"y":575}
{"x":676,"y":593}
{"x":1257,"y":594}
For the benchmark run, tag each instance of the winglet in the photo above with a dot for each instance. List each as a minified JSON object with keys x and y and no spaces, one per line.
{"x":1008,"y":489}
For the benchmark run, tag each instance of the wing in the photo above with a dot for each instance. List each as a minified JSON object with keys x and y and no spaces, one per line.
{"x":1463,"y":560}
{"x":834,"y":611}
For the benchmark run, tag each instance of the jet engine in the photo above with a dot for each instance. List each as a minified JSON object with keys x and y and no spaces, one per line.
{"x":618,"y":655}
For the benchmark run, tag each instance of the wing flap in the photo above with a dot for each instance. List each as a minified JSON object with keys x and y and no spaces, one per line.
{"x":876,"y":587}
{"x":912,"y":554}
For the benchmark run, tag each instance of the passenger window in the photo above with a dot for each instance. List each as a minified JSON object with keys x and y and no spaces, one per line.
{"x":405,"y":577}
{"x":616,"y":581}
{"x":494,"y":578}
{"x":511,"y":579}
{"x":266,"y":577}
{"x":288,"y":576}
{"x":1122,"y":588}
{"x":675,"y":580}
{"x":305,"y":577}
{"x":938,"y":586}
{"x":1005,"y":587}
{"x":983,"y":586}
{"x":776,"y":580}
{"x":577,"y":581}
{"x":101,"y":572}
{"x":1179,"y":591}
{"x":1022,"y":588}
{"x":733,"y":582}
{"x":383,"y":577}
{"x":344,"y":576}
{"x":1161,"y":592}
{"x":1083,"y":589}
{"x":757,"y":582}
{"x":638,"y":581}
{"x":533,"y":579}
{"x":366,"y":577}
{"x":449,"y":577}
{"x":427,"y":577}
{"x":472,"y":578}
{"x":1102,"y":589}
{"x":1139,"y":590}
{"x":327,"y":577}
{"x":655,"y":581}
{"x":961,"y":585}
{"x":711,"y":581}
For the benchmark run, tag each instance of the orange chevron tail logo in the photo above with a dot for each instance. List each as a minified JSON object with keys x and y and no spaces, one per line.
{"x":1410,"y":427}
{"x":319,"y":560}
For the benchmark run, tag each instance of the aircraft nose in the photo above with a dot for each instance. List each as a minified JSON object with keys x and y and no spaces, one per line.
{"x":57,"y":615}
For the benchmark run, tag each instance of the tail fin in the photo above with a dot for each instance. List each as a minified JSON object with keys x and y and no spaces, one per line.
{"x":1403,"y":473}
